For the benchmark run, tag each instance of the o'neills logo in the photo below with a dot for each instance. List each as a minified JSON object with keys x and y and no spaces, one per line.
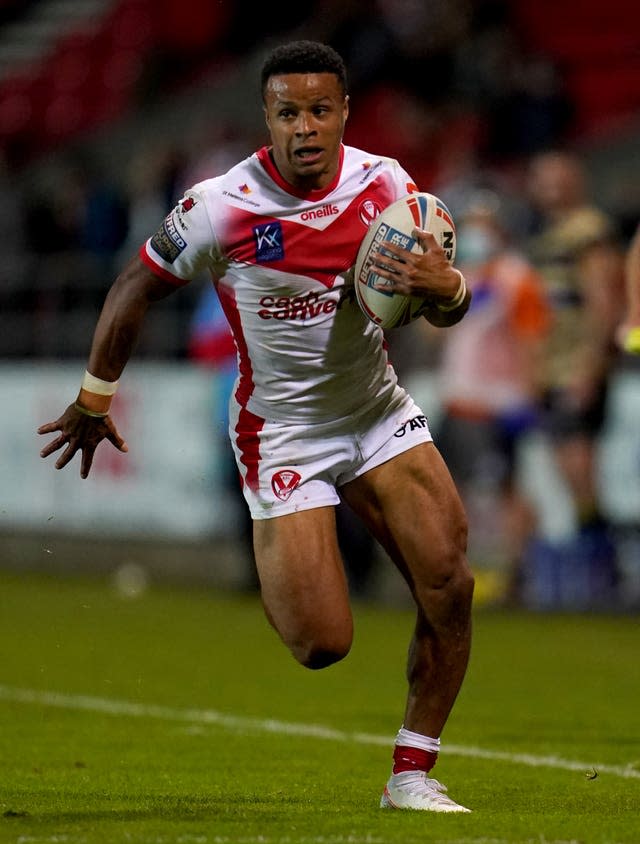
{"x":284,"y":482}
{"x":325,"y":211}
{"x":368,"y":211}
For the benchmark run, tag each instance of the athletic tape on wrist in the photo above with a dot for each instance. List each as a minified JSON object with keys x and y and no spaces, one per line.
{"x":96,"y":385}
{"x":458,"y":299}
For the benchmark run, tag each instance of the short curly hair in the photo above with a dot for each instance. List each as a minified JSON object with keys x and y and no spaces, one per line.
{"x":303,"y":57}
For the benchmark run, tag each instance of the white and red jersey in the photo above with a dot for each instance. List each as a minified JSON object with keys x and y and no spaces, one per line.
{"x":280,"y":260}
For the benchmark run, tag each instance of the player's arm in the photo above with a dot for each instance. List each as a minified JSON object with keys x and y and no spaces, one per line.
{"x":122,"y":317}
{"x":444,"y":311}
{"x":86,"y":422}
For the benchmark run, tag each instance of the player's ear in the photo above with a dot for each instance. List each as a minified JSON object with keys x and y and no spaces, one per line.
{"x":345,"y":107}
{"x":266,"y":117}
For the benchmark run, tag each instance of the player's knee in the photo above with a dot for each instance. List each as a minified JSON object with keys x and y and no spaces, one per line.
{"x":320,"y":653}
{"x":463,"y":584}
{"x":449,"y":582}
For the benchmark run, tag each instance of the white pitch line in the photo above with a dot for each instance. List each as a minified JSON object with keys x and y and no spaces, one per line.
{"x":108,"y":706}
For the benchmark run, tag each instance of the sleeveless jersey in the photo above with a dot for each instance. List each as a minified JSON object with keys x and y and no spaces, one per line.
{"x":281,"y":261}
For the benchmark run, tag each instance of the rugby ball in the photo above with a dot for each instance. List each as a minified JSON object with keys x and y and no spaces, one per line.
{"x":395,"y":224}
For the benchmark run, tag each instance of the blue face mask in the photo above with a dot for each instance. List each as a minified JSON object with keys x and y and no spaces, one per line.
{"x":475,"y":244}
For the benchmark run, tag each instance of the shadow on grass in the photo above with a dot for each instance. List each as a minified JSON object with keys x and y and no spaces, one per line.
{"x":157,"y":807}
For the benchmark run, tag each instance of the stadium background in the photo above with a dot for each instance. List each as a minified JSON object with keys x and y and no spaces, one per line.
{"x":109,"y":107}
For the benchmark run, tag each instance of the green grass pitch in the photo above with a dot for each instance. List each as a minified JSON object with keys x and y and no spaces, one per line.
{"x":179,"y":718}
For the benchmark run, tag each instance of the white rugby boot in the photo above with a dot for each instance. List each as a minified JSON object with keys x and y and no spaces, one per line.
{"x":415,"y":790}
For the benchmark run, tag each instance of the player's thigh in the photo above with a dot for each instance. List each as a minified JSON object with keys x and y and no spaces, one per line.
{"x":413,"y":507}
{"x":303,"y":582}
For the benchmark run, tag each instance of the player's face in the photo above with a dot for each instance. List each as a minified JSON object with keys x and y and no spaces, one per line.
{"x":306,"y":114}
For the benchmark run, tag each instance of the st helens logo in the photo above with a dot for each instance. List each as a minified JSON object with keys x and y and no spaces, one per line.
{"x":284,"y":482}
{"x":368,"y":211}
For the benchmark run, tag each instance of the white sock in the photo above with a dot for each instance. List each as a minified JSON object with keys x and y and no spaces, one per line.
{"x":408,"y":739}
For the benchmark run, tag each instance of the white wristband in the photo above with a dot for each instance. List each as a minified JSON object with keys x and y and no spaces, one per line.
{"x":96,"y":385}
{"x":458,"y":299}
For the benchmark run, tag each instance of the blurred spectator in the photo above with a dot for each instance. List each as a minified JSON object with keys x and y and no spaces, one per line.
{"x":76,"y":208}
{"x":12,"y":218}
{"x":534,"y":114}
{"x":55,"y":209}
{"x":16,"y":300}
{"x":519,"y":94}
{"x":628,"y":334}
{"x":152,"y":188}
{"x":489,"y":384}
{"x":75,"y":221}
{"x":575,"y":246}
{"x":104,"y":224}
{"x":423,"y":38}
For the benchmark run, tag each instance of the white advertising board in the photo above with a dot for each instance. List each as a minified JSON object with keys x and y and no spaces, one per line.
{"x":169,"y":484}
{"x":165,"y":486}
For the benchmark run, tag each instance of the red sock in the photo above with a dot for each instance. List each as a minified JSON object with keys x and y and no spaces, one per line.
{"x":412,"y":759}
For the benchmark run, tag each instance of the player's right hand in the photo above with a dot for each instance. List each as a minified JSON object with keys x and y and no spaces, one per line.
{"x":79,"y":432}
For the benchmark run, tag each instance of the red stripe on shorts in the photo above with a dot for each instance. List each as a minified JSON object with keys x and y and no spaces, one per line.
{"x":248,"y":430}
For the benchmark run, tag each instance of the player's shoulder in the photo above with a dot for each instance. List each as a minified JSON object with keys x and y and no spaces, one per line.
{"x":368,"y":160}
{"x":369,"y":167}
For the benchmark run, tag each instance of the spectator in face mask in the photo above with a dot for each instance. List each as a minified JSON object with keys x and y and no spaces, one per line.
{"x":488,"y":374}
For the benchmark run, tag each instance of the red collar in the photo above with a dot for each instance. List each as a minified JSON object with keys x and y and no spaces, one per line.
{"x":264,"y":157}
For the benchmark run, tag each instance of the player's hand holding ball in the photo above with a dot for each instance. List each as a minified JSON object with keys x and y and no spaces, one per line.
{"x":404,"y":265}
{"x":424,"y":273}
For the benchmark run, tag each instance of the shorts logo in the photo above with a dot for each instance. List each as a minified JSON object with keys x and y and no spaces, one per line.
{"x":411,"y":425}
{"x":167,"y":242}
{"x":269,"y":244}
{"x":284,"y":482}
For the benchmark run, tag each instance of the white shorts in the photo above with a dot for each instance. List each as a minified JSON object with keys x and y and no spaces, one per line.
{"x":288,"y":468}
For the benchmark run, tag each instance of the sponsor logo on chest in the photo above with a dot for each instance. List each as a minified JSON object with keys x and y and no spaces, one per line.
{"x":319,"y":213}
{"x":269,"y":242}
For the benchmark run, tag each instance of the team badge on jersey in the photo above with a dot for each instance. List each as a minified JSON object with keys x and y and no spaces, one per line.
{"x":368,"y":210}
{"x":269,"y":242}
{"x":284,"y":482}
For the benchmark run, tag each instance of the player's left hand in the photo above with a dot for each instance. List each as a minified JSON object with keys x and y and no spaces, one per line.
{"x":426,"y":273}
{"x":80,"y":432}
